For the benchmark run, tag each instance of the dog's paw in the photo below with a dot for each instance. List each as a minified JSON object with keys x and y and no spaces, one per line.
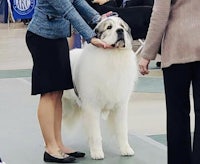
{"x":97,"y":154}
{"x":127,"y":151}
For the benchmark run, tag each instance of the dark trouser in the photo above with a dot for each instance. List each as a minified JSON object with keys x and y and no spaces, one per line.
{"x":177,"y":80}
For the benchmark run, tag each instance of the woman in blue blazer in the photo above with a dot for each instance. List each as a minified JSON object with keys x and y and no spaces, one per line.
{"x":51,"y":73}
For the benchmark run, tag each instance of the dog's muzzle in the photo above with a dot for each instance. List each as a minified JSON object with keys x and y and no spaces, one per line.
{"x":120,"y":43}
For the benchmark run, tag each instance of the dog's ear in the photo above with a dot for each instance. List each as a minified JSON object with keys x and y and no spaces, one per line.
{"x":96,"y":30}
{"x":100,"y":27}
{"x":98,"y":33}
{"x":129,"y":31}
{"x":126,"y":27}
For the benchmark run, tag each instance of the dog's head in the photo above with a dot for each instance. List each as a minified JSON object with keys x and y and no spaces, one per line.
{"x":114,"y":31}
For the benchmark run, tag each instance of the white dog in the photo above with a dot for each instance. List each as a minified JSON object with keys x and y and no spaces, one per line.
{"x":104,"y":80}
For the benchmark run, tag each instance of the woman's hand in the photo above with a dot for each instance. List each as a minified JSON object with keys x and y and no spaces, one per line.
{"x":106,"y":15}
{"x":144,"y":66}
{"x":99,"y":43}
{"x":100,"y":2}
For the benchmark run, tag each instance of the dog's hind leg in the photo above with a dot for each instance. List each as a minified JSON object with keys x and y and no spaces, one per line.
{"x":91,"y":119}
{"x":119,"y":121}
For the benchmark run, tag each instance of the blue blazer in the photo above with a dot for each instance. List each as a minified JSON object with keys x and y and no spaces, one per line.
{"x":53,"y":18}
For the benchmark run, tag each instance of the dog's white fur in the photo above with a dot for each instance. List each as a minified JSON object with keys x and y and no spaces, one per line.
{"x":104,"y":79}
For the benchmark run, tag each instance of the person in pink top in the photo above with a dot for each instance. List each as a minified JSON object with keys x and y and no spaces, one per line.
{"x":175,"y":24}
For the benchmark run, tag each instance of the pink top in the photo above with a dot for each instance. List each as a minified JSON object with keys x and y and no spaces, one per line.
{"x":175,"y":23}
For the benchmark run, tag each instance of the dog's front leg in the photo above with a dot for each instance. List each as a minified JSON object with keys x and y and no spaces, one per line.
{"x":120,"y":118}
{"x":91,"y":119}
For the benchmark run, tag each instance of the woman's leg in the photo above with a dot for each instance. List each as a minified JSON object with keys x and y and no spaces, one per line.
{"x":46,"y":117}
{"x":57,"y":125}
{"x":177,"y":79}
{"x":196,"y":95}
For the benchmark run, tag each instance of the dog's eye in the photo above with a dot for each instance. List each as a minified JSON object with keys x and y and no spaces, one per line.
{"x":109,"y":27}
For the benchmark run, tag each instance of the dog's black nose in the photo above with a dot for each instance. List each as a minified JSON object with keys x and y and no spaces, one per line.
{"x":120,"y":30}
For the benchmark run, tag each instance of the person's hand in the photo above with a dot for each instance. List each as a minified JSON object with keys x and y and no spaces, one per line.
{"x":99,"y":43}
{"x":106,"y":15}
{"x":100,"y":2}
{"x":143,"y":66}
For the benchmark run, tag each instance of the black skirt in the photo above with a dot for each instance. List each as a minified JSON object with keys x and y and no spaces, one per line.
{"x":51,"y":64}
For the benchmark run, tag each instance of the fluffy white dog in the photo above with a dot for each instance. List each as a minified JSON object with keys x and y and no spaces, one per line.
{"x":104,"y":80}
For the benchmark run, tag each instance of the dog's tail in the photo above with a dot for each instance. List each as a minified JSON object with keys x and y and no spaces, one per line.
{"x":71,"y":109}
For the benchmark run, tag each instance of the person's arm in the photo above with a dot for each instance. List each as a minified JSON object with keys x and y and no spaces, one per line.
{"x":157,"y":26}
{"x":66,"y":9}
{"x":86,"y":11}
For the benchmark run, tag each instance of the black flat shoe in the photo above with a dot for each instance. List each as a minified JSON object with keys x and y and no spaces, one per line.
{"x":50,"y":158}
{"x":76,"y":154}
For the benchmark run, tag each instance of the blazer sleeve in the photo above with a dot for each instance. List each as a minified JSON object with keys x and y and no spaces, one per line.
{"x":86,"y":11}
{"x":66,"y":9}
{"x":157,"y":26}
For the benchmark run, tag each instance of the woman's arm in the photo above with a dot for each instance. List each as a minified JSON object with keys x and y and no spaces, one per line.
{"x":86,"y":11}
{"x":66,"y":9}
{"x":157,"y":26}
